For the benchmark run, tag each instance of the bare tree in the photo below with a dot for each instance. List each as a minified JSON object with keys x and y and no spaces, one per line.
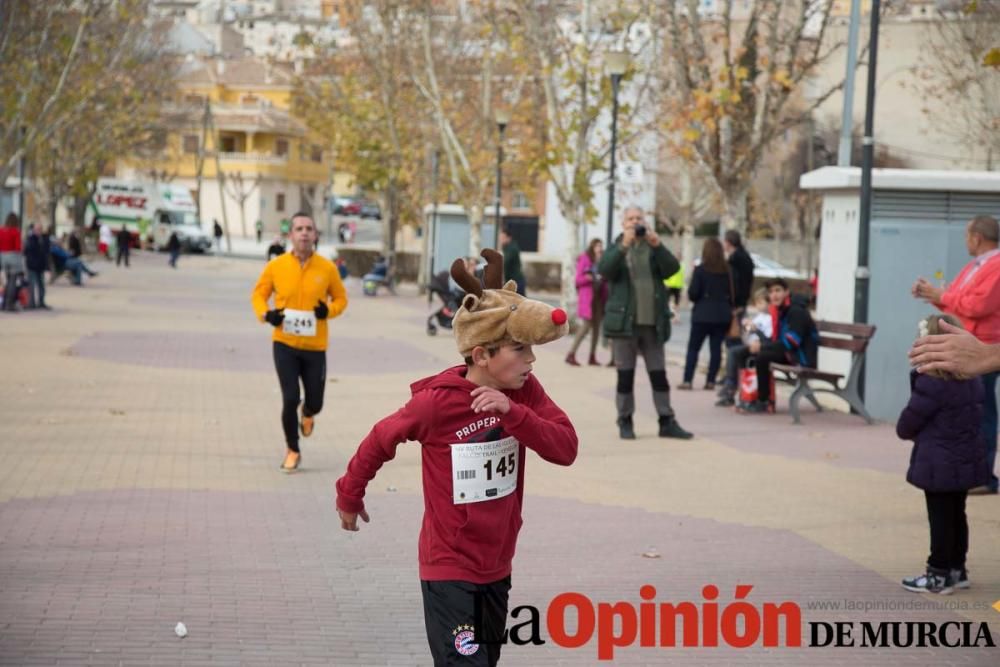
{"x":124,"y":117}
{"x":566,"y":52}
{"x":731,"y":82}
{"x":56,"y":63}
{"x":456,"y":64}
{"x":967,"y":95}
{"x":685,"y":196}
{"x":357,"y":96}
{"x":241,"y":189}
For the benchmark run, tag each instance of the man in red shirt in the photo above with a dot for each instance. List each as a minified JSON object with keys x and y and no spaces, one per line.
{"x":974,"y":297}
{"x":474,"y":423}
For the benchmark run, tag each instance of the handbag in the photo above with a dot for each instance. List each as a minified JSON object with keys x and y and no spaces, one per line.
{"x":735,"y":325}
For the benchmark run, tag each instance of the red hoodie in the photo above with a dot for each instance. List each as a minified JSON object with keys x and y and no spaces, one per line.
{"x":467,"y":541}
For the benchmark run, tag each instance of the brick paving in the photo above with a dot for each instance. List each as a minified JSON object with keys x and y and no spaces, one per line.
{"x":139,"y":488}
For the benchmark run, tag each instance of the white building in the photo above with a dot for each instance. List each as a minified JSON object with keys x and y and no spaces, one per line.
{"x":635,"y":170}
{"x":917,"y":229}
{"x":908,"y":124}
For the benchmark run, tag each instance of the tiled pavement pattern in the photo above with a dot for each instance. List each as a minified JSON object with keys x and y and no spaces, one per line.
{"x":139,"y":447}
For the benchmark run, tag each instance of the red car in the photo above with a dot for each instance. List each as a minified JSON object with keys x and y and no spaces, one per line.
{"x":347,"y":206}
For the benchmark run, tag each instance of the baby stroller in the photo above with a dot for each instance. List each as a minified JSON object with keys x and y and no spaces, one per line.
{"x":449,"y":303}
{"x":377,"y":277}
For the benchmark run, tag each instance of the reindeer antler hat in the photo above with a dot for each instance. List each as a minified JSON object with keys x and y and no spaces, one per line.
{"x":492,"y":315}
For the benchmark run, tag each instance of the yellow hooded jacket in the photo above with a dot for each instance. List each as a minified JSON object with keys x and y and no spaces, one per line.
{"x":300,"y":287}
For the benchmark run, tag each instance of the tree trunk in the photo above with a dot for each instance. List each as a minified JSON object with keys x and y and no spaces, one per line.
{"x":389,"y":233}
{"x":425,"y":270}
{"x":734,"y":210}
{"x":79,"y":211}
{"x":222,"y":200}
{"x":573,"y":215}
{"x":475,"y":214}
{"x":687,"y":254}
{"x":243,"y":214}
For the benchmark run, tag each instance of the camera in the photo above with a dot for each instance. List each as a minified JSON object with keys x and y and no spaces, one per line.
{"x":640,"y":230}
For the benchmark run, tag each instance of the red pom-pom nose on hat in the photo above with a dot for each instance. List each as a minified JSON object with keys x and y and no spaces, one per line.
{"x":559,"y":317}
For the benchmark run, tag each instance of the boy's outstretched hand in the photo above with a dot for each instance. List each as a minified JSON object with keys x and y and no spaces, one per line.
{"x":488,"y":399}
{"x":349,"y":520}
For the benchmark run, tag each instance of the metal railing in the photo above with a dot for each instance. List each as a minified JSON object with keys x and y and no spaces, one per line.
{"x":261,"y":158}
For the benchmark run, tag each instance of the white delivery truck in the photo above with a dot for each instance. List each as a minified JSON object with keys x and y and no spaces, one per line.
{"x":166,"y":207}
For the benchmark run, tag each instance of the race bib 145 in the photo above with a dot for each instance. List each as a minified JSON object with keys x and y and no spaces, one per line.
{"x":484,"y":471}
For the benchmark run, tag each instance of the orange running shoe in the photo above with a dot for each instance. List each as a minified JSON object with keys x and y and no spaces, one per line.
{"x":306,"y":425}
{"x":291,"y":462}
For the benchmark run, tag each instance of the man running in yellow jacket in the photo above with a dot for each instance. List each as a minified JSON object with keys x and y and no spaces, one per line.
{"x":307,"y":292}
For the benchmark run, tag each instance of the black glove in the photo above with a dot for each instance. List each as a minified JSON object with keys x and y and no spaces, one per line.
{"x":275,"y":317}
{"x":321,"y":310}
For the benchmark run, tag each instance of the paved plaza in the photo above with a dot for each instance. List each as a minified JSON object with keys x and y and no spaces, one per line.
{"x":139,"y":487}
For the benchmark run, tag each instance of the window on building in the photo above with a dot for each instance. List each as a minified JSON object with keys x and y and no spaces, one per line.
{"x":316,"y":153}
{"x":281,"y":147}
{"x":250,"y":101}
{"x":228,"y":144}
{"x":194,"y":99}
{"x":158,"y":139}
{"x":520,"y":200}
{"x":190,"y":143}
{"x":279,"y":201}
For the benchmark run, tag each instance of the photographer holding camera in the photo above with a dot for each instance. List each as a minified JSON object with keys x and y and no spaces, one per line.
{"x":637,"y":318}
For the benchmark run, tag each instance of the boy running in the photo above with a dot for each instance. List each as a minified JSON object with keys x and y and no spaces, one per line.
{"x":474,"y":423}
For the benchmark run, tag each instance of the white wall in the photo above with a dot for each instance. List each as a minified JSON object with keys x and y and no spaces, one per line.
{"x":901,"y":123}
{"x":838,"y":260}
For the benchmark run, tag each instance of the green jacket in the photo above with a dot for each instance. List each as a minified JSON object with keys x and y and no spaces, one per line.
{"x":512,"y":262}
{"x":619,"y":319}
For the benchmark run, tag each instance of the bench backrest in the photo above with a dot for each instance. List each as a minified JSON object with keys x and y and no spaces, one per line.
{"x":851,"y":337}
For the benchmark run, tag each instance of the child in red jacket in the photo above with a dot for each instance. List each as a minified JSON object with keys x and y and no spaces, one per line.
{"x":474,"y":424}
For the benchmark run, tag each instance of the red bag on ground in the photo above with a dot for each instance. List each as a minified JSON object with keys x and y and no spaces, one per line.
{"x":749,"y":393}
{"x":748,"y":385}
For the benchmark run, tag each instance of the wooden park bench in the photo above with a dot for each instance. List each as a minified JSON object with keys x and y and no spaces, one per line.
{"x":852,"y":337}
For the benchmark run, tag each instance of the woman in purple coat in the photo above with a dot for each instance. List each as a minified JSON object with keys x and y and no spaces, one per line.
{"x":591,"y":292}
{"x":943,"y":419}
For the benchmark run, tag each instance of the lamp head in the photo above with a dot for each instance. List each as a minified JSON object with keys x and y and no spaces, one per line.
{"x":502,"y":117}
{"x":617,"y":62}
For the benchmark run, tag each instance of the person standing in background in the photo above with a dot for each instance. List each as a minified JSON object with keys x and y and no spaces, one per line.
{"x":711,"y":292}
{"x":36,"y":260}
{"x":512,"y":260}
{"x":124,"y":239}
{"x":174,"y":248}
{"x":217,"y":233}
{"x":974,"y":297}
{"x":741,"y":266}
{"x":591,"y":295}
{"x":104,"y":240}
{"x":637,"y":319}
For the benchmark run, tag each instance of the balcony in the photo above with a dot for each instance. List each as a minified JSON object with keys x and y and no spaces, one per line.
{"x":256,"y":158}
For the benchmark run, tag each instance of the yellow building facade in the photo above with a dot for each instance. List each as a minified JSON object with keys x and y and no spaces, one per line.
{"x":236,"y":113}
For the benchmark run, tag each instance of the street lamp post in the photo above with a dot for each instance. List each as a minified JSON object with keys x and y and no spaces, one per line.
{"x":862,"y":274}
{"x":617,"y":63}
{"x":20,"y":185}
{"x":432,"y":236}
{"x":502,"y":118}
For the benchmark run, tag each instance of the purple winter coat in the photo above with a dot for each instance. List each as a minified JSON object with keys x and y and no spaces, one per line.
{"x":585,"y":287}
{"x":944,"y":418}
